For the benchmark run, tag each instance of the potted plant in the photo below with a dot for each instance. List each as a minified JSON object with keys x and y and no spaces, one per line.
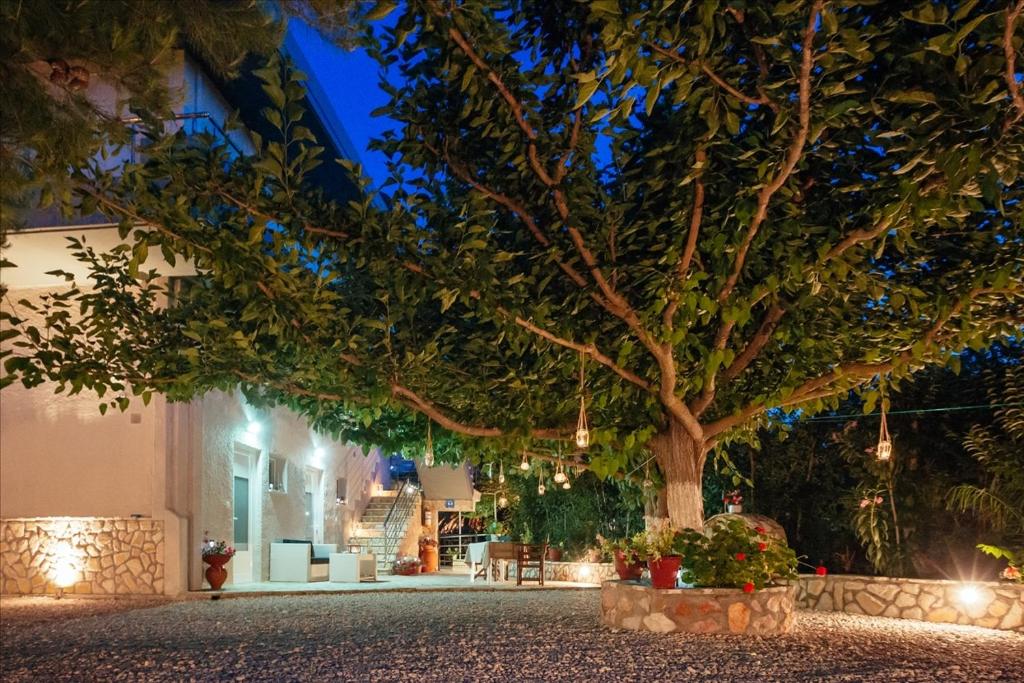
{"x":733,"y":502}
{"x":657,"y":547}
{"x":732,"y":555}
{"x":406,"y":565}
{"x":554,"y":553}
{"x":627,"y":565}
{"x":216,"y":554}
{"x":428,"y":554}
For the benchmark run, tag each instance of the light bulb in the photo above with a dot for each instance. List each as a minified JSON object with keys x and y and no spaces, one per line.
{"x":541,"y":489}
{"x":503,"y":502}
{"x":559,"y":477}
{"x":583,"y":437}
{"x":566,"y":485}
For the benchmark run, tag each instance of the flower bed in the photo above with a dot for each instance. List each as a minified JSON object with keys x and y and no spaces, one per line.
{"x":638,"y":607}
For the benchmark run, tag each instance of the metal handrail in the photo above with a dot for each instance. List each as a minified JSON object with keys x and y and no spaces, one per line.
{"x":191,"y":116}
{"x":393,"y":533}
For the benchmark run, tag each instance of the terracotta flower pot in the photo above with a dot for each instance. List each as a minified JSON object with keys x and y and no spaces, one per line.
{"x":663,"y":571}
{"x":627,"y":570}
{"x":429,"y":558}
{"x":216,"y":575}
{"x":554,"y":555}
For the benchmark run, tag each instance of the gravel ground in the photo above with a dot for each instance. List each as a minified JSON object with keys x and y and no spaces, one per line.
{"x":465,"y":636}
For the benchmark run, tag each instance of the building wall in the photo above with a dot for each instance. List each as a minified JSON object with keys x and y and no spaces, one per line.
{"x":48,"y":469}
{"x":279,"y":514}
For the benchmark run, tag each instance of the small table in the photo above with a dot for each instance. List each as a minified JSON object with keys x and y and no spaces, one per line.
{"x":352,"y":568}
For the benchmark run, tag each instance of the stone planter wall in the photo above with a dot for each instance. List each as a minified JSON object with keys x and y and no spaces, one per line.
{"x":594,"y":572}
{"x":100,"y":556}
{"x":638,"y":607}
{"x":998,"y":605}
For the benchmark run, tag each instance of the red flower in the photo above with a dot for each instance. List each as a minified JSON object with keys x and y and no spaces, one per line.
{"x":748,"y":587}
{"x":762,"y":547}
{"x":821,"y":571}
{"x":741,"y":556}
{"x":759,"y":529}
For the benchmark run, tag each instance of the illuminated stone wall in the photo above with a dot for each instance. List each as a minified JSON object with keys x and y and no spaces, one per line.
{"x":89,"y":555}
{"x":986,"y":604}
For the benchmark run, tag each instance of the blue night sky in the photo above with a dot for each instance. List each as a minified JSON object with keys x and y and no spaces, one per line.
{"x":349,"y":80}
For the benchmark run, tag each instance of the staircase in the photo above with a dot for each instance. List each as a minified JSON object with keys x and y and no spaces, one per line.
{"x":384,"y":524}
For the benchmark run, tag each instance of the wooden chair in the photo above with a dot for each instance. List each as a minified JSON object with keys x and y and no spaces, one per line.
{"x":530,"y":557}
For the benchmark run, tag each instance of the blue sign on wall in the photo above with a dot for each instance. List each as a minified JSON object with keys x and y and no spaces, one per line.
{"x":449,"y":503}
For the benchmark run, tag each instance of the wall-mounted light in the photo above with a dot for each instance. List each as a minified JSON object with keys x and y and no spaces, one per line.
{"x":254,"y":427}
{"x":584,"y":572}
{"x":319,"y":453}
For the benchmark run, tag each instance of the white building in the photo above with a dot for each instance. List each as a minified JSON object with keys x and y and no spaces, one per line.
{"x":119,"y":503}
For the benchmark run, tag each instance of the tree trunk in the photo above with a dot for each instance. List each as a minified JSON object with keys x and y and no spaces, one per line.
{"x":681,"y":460}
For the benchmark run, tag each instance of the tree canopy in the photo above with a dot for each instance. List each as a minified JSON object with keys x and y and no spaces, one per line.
{"x":719,"y":208}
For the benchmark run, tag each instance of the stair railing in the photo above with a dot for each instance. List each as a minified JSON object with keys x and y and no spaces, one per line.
{"x":394,"y":523}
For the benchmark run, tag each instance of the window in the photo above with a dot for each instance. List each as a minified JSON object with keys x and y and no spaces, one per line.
{"x":278,"y":474}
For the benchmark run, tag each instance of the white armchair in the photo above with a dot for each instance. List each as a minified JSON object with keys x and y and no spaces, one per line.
{"x":300,"y":561}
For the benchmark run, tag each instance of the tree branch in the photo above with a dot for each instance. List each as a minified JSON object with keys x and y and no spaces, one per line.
{"x":683,"y":268}
{"x":412,"y":400}
{"x":710,"y":73}
{"x":792,"y":156}
{"x":1010,"y":73}
{"x":589,"y":349}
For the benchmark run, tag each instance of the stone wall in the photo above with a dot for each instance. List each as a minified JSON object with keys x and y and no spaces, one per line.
{"x":990,"y":605}
{"x":582,"y":572}
{"x":638,"y":607}
{"x":91,"y":555}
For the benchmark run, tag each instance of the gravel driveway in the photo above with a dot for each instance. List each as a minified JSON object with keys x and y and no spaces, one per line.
{"x":465,"y":636}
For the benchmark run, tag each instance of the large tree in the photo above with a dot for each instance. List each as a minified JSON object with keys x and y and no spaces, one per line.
{"x":722,"y":208}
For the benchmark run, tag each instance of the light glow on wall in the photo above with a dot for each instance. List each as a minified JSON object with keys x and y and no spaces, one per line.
{"x":65,"y":565}
{"x":319,"y":453}
{"x":254,"y":427}
{"x":969,"y":595}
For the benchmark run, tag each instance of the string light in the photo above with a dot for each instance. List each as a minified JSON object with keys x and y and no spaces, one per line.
{"x":428,"y":452}
{"x":582,"y":429}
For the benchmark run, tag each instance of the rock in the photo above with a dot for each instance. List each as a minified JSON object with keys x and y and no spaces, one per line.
{"x":870,"y":604}
{"x":886,"y":591}
{"x":1015,"y":617}
{"x":998,"y":608}
{"x":739,"y":617}
{"x":659,"y":623}
{"x":945,"y":615}
{"x":904,"y":600}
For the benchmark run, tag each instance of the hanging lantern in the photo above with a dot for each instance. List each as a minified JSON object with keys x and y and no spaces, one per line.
{"x":501,"y":473}
{"x":541,"y":489}
{"x":428,"y":452}
{"x":525,"y":464}
{"x":582,"y":428}
{"x":566,"y":485}
{"x":648,"y":482}
{"x":884,"y":450}
{"x":560,"y":473}
{"x":502,"y":501}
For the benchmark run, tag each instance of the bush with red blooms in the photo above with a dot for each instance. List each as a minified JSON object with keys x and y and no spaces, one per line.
{"x":731,"y":555}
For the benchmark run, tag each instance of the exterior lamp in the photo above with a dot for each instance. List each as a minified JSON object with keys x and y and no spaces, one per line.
{"x":428,"y":452}
{"x":355,"y":548}
{"x":319,"y":453}
{"x":584,"y":571}
{"x":410,"y":487}
{"x":525,"y":464}
{"x":560,"y":477}
{"x":541,"y":489}
{"x":254,"y":427}
{"x":566,"y":485}
{"x":582,"y":429}
{"x":502,"y":501}
{"x":884,"y":450}
{"x":968,"y":595}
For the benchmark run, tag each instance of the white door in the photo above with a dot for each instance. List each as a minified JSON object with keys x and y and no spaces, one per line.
{"x":244,"y":504}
